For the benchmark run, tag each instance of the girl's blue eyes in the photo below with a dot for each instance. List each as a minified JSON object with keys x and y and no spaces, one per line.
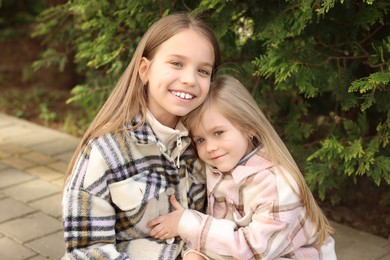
{"x":179,"y":64}
{"x":176,"y":63}
{"x":206,"y":72}
{"x":201,"y":140}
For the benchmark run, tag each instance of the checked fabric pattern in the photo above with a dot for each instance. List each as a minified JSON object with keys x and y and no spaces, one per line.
{"x":119,"y":183}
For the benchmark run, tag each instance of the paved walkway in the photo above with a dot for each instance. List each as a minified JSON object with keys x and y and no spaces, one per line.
{"x":33,"y":160}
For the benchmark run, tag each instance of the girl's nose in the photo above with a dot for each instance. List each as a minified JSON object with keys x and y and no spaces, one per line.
{"x":211,"y":146}
{"x":188,"y":77}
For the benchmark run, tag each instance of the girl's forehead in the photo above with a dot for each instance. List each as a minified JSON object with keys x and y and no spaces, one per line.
{"x":211,"y":110}
{"x":189,"y":42}
{"x":212,"y":117}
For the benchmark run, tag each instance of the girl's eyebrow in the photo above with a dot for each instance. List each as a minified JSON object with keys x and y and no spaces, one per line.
{"x":215,"y":128}
{"x":210,"y":130}
{"x":195,"y":136}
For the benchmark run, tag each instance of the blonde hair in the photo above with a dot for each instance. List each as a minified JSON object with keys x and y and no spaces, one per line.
{"x":239,"y":107}
{"x":128,"y":98}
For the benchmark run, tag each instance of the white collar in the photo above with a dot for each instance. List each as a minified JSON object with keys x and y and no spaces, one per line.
{"x":166,"y":134}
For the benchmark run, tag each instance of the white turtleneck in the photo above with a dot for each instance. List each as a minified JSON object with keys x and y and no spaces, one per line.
{"x":168,"y":135}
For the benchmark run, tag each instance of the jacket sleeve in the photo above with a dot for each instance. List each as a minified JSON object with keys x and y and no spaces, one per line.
{"x":222,"y":239}
{"x":88,"y":215}
{"x":264,"y":232}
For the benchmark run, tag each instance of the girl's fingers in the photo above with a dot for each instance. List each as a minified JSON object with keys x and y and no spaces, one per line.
{"x":176,"y":205}
{"x":164,"y":236}
{"x":158,"y":232}
{"x":154,"y":222}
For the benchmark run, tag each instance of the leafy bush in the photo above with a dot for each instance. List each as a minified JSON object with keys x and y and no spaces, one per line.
{"x":319,"y":70}
{"x":14,"y":13}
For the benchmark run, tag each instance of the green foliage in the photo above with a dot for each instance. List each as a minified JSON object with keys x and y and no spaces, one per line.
{"x":49,"y":57}
{"x":45,"y":114}
{"x":319,"y":70}
{"x":16,"y":13}
{"x":22,"y":103}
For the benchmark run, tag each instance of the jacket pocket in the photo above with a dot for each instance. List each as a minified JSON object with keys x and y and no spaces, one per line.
{"x":127,"y":194}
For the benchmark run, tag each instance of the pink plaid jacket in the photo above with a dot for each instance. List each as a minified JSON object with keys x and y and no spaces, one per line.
{"x":253,"y":214}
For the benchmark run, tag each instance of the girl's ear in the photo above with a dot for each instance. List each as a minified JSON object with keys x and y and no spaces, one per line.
{"x":143,"y":70}
{"x":252,"y":137}
{"x":251,"y":134}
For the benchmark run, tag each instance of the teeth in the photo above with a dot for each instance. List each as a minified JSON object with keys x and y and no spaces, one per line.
{"x":182,"y":95}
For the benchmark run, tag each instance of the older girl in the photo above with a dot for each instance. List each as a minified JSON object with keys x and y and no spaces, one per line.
{"x":136,"y":151}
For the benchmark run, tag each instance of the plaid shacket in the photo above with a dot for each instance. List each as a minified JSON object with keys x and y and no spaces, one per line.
{"x":254,"y":213}
{"x":120,"y":182}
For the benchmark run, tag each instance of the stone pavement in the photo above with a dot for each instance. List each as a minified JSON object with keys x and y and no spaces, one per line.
{"x":33,"y":160}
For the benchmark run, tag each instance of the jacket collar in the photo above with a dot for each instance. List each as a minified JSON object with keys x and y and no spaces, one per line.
{"x":168,"y":136}
{"x":252,"y":166}
{"x":143,"y":133}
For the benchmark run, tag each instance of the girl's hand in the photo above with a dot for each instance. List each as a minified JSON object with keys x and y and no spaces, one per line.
{"x":165,"y":226}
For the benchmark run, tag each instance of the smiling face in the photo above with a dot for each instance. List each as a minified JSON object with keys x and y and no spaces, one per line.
{"x":219,"y":143}
{"x":178,"y":77}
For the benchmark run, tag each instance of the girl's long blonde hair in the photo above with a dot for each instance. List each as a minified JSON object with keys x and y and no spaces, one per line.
{"x":238,"y":106}
{"x":128,"y":98}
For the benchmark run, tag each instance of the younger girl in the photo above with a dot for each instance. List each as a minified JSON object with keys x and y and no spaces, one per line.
{"x":259,"y":205}
{"x":136,"y":152}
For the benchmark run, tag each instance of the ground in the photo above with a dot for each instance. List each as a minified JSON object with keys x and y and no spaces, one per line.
{"x":40,"y":97}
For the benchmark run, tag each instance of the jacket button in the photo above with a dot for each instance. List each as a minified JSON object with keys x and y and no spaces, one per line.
{"x":170,"y":191}
{"x":170,"y":240}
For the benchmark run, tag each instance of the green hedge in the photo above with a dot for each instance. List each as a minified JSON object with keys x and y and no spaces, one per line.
{"x":318,"y":69}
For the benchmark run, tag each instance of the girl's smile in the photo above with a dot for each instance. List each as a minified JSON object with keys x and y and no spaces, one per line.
{"x":178,"y":77}
{"x":217,"y":157}
{"x":182,"y":95}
